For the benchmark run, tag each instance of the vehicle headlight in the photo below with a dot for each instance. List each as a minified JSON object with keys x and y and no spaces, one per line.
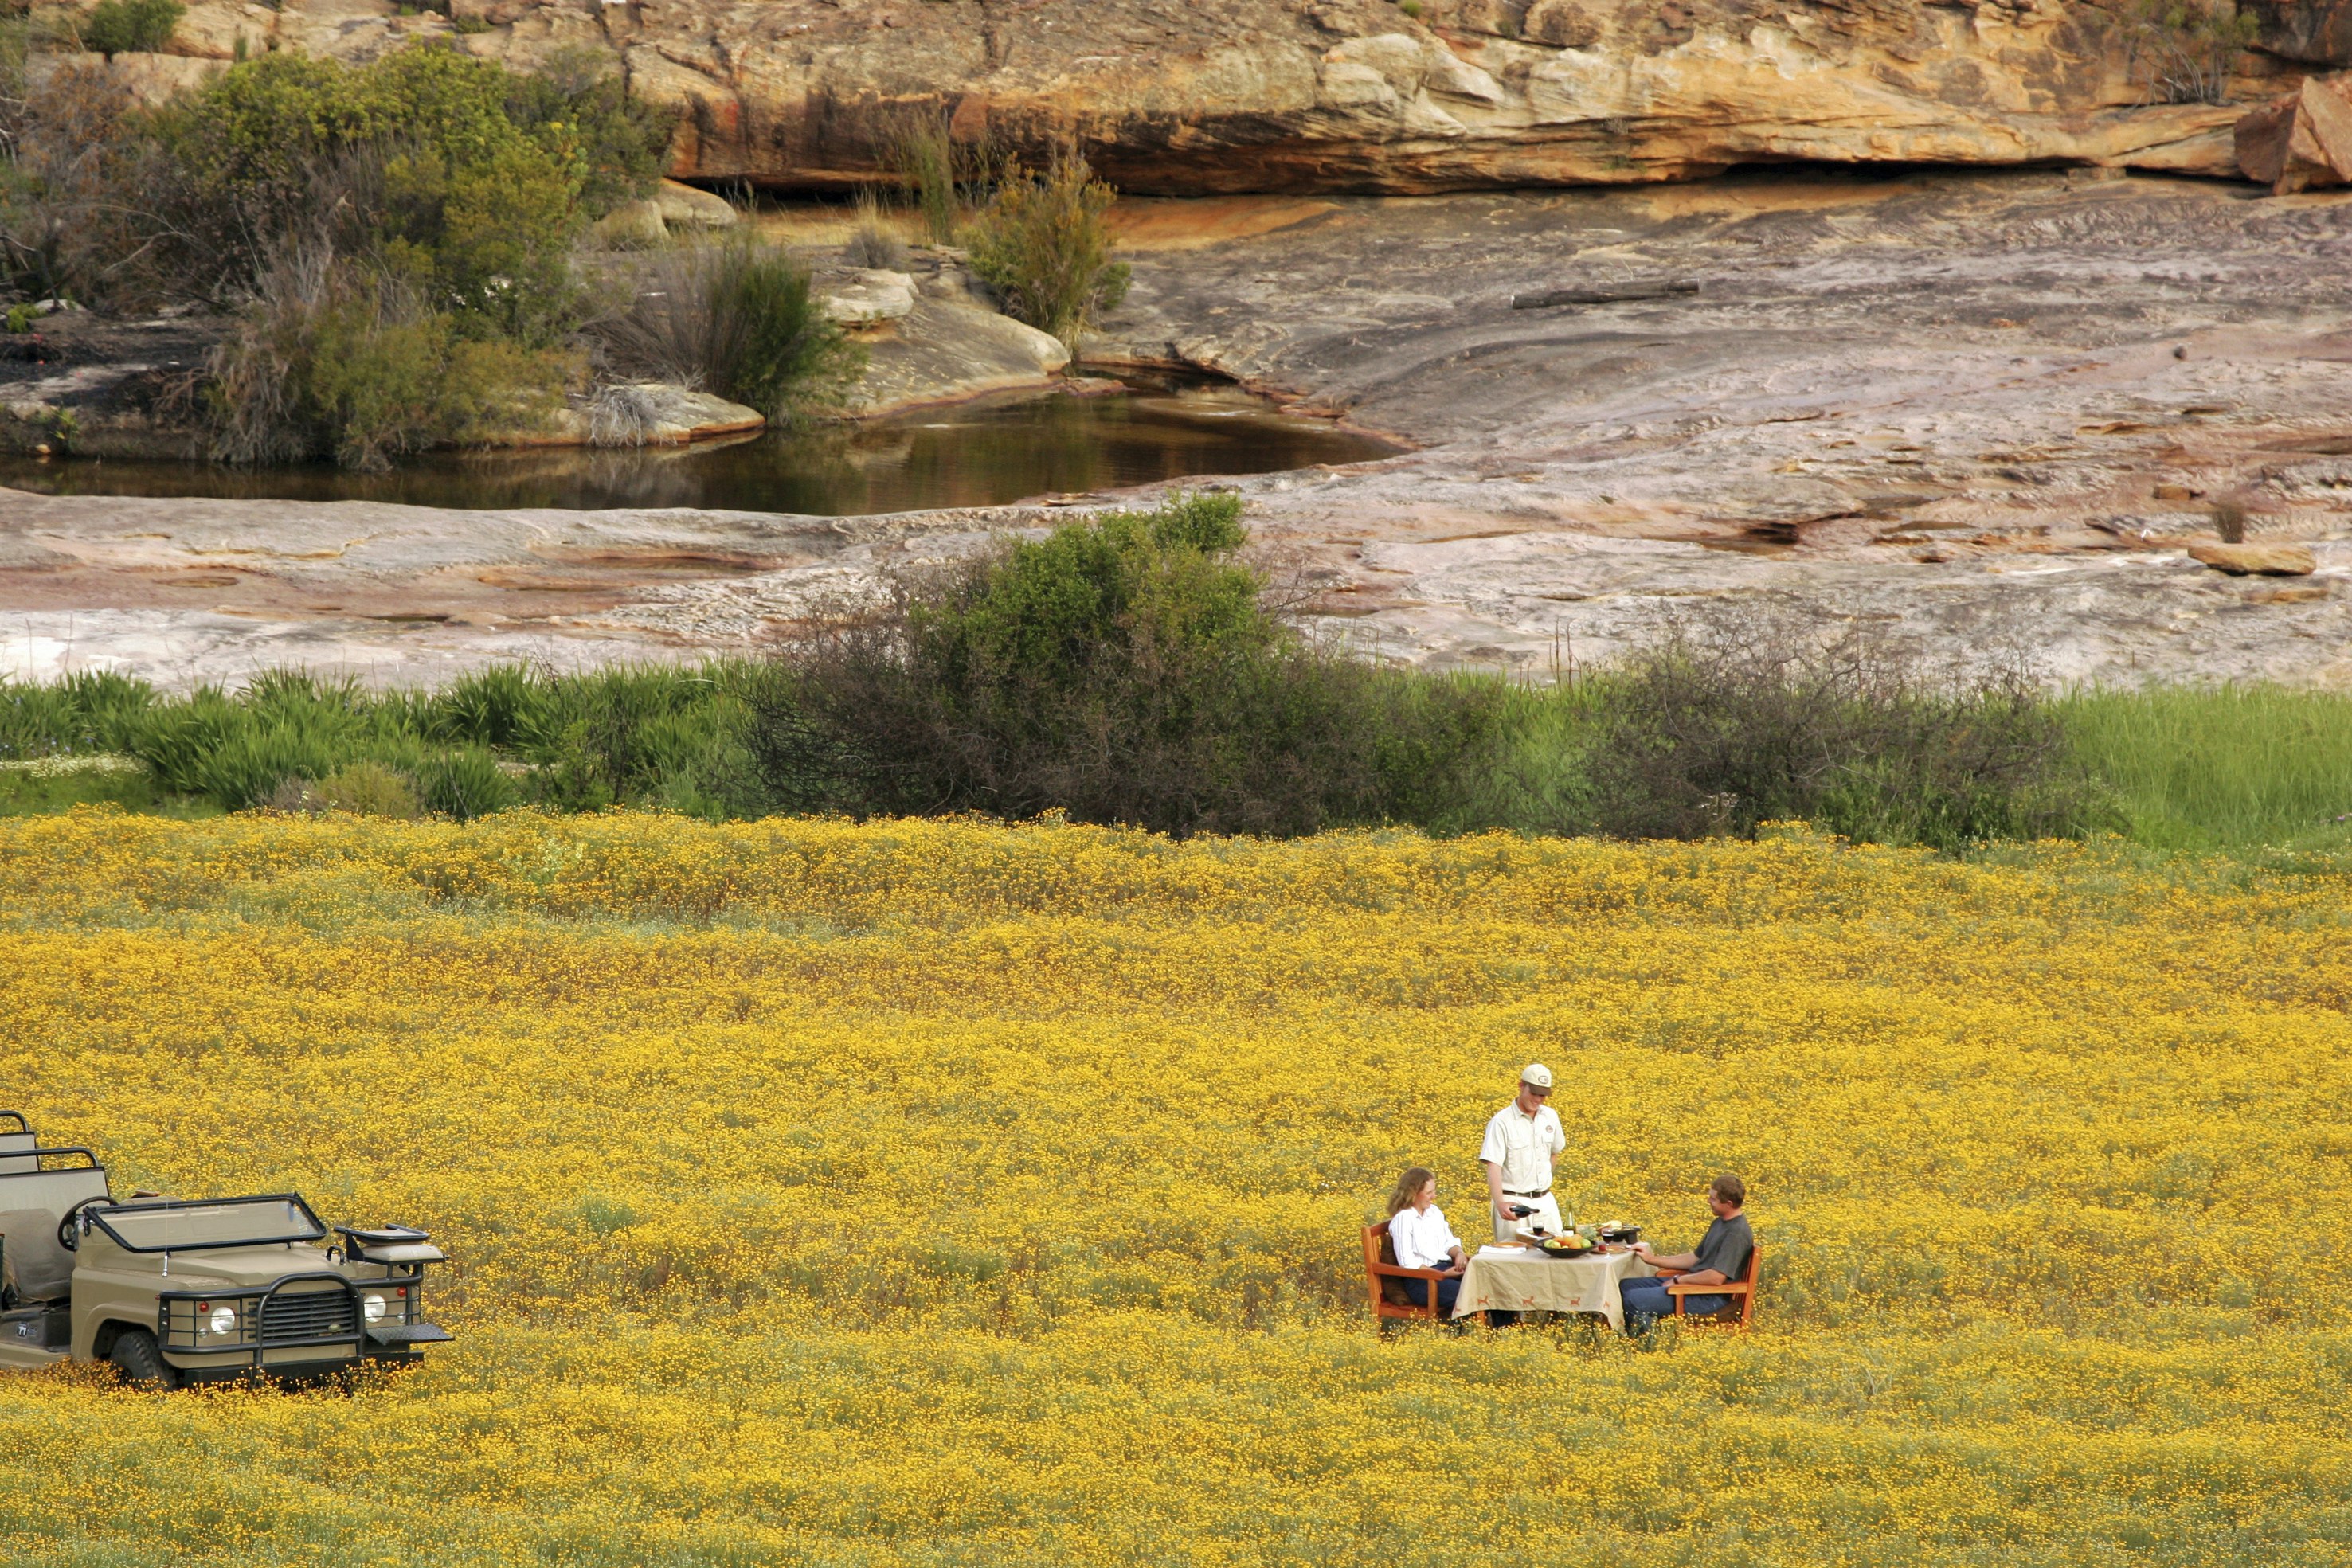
{"x":221,"y":1320}
{"x":372,"y":1305}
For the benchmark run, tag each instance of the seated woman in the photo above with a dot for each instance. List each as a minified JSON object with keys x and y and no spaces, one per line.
{"x":1418,"y":1231}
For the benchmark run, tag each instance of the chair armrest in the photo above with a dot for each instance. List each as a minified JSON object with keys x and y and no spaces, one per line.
{"x":1394,"y":1271}
{"x":1727,"y":1288}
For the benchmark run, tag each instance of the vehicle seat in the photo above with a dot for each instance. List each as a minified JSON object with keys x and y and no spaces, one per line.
{"x":17,"y":1154}
{"x":36,"y":1201}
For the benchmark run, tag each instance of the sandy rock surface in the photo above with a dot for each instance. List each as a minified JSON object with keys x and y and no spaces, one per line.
{"x":1989,"y":411}
{"x":185,"y":591}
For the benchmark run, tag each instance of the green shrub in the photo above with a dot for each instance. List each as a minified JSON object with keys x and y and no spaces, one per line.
{"x":446,"y":172}
{"x":1757,"y":719}
{"x":738,"y":318}
{"x":929,"y":168}
{"x":336,"y":362}
{"x":1122,"y":670}
{"x":464,"y":783}
{"x":130,"y":27}
{"x":369,"y":789}
{"x":573,"y":99}
{"x":502,"y":705}
{"x":662,"y":736}
{"x":1045,"y":243}
{"x":88,"y":712}
{"x":2185,"y":51}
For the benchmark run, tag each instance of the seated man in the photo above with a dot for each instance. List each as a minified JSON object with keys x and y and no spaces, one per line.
{"x":1721,"y":1256}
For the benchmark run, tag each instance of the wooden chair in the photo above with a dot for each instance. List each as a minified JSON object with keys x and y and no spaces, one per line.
{"x":1742,"y":1291}
{"x":1381,"y":1265}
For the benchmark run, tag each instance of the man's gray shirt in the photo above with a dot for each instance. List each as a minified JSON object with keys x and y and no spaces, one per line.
{"x":1726,"y":1245}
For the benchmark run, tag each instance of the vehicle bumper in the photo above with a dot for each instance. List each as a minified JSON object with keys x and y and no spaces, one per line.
{"x":406,"y":1336}
{"x":399,"y":1344}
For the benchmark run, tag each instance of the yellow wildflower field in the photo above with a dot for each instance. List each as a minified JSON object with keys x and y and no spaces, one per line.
{"x":952,"y":1193}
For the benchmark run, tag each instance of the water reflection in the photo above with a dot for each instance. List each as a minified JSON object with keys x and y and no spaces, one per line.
{"x":983,"y":454}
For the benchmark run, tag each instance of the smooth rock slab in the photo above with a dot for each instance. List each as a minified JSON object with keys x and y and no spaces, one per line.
{"x":867,"y":296}
{"x":943,"y":352}
{"x":647,"y":414}
{"x":2263,"y":561}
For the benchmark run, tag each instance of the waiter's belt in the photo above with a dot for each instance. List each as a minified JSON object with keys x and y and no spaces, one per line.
{"x":1508,"y":1193}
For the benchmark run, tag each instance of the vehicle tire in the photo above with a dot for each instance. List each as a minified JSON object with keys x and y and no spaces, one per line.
{"x":141,"y":1364}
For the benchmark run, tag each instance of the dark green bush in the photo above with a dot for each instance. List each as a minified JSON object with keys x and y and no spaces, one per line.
{"x":1719,"y":729}
{"x":777,"y":350}
{"x":412,"y":164}
{"x":130,"y":27}
{"x":1127,"y":670}
{"x":1123,"y":670}
{"x":573,"y":98}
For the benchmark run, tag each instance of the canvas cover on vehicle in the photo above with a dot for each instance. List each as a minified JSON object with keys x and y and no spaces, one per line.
{"x":16,"y":1153}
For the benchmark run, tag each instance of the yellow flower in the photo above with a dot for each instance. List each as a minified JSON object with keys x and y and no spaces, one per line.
{"x":934,"y":1192}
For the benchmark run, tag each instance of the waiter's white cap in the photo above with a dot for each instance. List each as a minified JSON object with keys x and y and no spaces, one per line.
{"x":1537,"y":1073}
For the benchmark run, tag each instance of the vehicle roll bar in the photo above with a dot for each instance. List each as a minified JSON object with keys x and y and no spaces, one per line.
{"x":88,"y":1160}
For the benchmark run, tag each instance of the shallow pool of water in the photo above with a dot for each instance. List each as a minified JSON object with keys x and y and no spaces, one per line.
{"x":973,"y":455}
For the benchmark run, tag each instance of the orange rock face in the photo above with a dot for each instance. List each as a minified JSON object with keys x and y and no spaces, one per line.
{"x":2301,"y":141}
{"x":1207,"y":96}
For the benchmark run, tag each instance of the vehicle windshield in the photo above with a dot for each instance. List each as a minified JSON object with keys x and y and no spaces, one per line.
{"x":227,"y":1222}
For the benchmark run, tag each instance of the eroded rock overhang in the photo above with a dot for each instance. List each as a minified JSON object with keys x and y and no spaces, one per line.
{"x":1200,"y":97}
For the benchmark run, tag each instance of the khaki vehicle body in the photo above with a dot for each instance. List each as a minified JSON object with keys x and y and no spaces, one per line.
{"x":173,"y":1291}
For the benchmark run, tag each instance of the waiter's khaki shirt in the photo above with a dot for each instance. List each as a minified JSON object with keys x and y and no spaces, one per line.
{"x":1524,"y":1146}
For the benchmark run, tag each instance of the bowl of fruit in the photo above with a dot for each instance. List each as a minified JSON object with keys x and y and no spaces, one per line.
{"x":1570,"y":1245}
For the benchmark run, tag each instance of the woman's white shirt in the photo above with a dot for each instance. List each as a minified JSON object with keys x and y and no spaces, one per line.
{"x":1422,"y":1240}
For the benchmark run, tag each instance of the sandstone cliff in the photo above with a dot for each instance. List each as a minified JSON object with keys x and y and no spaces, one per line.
{"x":1208,"y":96}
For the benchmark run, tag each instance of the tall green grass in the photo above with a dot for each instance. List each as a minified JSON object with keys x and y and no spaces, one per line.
{"x":2219,"y":767}
{"x":2197,"y":770}
{"x":665,"y":737}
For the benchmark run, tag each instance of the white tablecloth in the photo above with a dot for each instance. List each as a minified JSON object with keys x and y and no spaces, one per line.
{"x":1531,"y":1283}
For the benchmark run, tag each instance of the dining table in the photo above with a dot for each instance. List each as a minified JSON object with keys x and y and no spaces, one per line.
{"x":1525,"y":1279}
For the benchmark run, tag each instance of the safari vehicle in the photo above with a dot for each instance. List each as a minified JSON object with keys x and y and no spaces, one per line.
{"x":173,"y":1291}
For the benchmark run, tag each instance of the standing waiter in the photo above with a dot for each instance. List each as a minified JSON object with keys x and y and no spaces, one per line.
{"x":1520,"y":1143}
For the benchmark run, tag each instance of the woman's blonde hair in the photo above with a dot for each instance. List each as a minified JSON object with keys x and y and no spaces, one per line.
{"x":1408,"y":1188}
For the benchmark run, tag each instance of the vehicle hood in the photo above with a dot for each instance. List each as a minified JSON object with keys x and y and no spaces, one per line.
{"x":229,"y":1268}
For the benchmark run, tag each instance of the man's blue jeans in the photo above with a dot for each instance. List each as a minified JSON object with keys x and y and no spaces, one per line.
{"x":1417,"y":1291}
{"x":1646,"y":1299}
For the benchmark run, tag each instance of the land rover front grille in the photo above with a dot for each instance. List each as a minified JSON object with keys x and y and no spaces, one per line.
{"x":312,"y":1314}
